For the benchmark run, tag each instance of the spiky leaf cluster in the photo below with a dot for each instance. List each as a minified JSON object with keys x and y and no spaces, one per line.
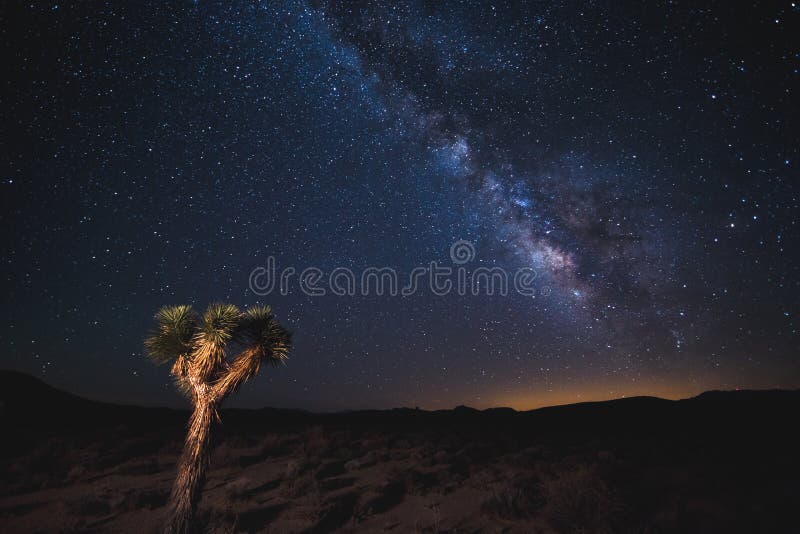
{"x":200,"y":345}
{"x":215,"y":331}
{"x":172,"y":338}
{"x":266,"y":335}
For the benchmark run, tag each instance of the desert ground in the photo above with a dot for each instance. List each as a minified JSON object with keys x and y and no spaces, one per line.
{"x":719,"y":462}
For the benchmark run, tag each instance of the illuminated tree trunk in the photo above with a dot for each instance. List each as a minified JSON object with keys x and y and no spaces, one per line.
{"x":192,"y":465}
{"x":204,"y":373}
{"x":188,"y":484}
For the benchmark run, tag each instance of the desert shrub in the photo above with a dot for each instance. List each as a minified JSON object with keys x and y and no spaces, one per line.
{"x":216,"y":519}
{"x":398,"y":455}
{"x":295,"y":467}
{"x":238,"y":441}
{"x":519,"y":461}
{"x":352,"y":465}
{"x":138,"y":499}
{"x":139,"y":466}
{"x":274,"y":445}
{"x":255,"y":520}
{"x":171,"y":447}
{"x":577,"y":499}
{"x":336,"y":512}
{"x":317,"y":442}
{"x":136,"y":447}
{"x":74,"y":526}
{"x":76,"y":472}
{"x":224,"y":455}
{"x":329,"y":469}
{"x":329,"y":485}
{"x":375,"y":442}
{"x":231,"y":453}
{"x":300,"y":482}
{"x":512,"y":499}
{"x":383,"y":498}
{"x":50,"y":458}
{"x":238,"y":488}
{"x":90,"y":505}
{"x":606,"y":456}
{"x":401,"y":443}
{"x":483,"y":478}
{"x":450,"y":443}
{"x":417,"y":482}
{"x":424,"y":455}
{"x":343,"y":453}
{"x":449,"y":480}
{"x":369,"y":459}
{"x":476,"y":452}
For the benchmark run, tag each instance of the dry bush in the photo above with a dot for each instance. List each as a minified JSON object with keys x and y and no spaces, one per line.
{"x":514,"y":499}
{"x":375,"y":441}
{"x":519,"y":461}
{"x":215,"y":519}
{"x":343,"y":453}
{"x":328,"y":469}
{"x":299,"y":481}
{"x":237,"y":489}
{"x":274,"y":445}
{"x":397,"y":455}
{"x":380,"y":499}
{"x":233,"y":453}
{"x":336,"y":512}
{"x":238,"y":441}
{"x":476,"y":453}
{"x":343,"y":446}
{"x":317,"y":442}
{"x":295,"y":467}
{"x":450,"y":443}
{"x":139,"y":467}
{"x":76,"y":473}
{"x":424,"y":455}
{"x":485,"y":477}
{"x":97,"y":503}
{"x":224,"y":455}
{"x":577,"y":499}
{"x":401,"y":443}
{"x":145,"y":498}
{"x":51,"y":460}
{"x":450,"y":480}
{"x":418,"y":482}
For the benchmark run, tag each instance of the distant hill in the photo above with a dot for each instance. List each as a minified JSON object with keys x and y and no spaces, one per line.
{"x":23,"y":393}
{"x":28,"y":402}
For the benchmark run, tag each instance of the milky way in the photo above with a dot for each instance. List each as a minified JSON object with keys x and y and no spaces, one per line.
{"x":641,"y":160}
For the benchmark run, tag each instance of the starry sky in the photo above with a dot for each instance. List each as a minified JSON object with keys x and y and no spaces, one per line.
{"x":642,"y":158}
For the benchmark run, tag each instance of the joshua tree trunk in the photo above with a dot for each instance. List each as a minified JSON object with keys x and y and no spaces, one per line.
{"x":192,"y":465}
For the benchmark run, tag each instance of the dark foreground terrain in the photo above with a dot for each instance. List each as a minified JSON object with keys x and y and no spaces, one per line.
{"x":720,"y":462}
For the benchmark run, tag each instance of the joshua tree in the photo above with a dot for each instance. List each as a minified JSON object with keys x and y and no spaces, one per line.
{"x":201,"y":350}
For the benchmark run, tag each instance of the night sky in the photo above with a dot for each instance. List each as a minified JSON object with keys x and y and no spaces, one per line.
{"x":642,"y":160}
